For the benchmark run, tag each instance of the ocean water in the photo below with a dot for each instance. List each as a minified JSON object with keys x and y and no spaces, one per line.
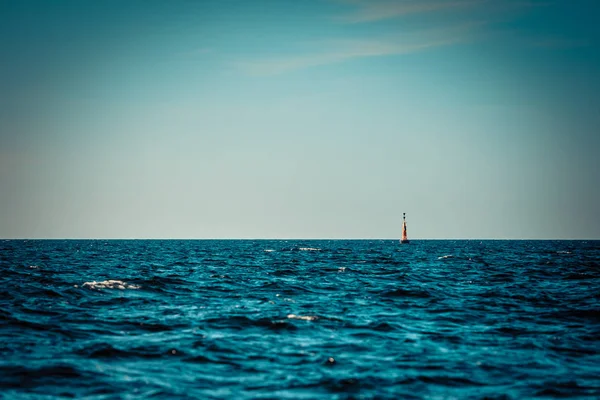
{"x":331,"y":319}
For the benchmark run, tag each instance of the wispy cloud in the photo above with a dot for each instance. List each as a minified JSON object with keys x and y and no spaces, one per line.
{"x":462,"y":26}
{"x":358,"y":49}
{"x":375,"y":10}
{"x":336,"y":51}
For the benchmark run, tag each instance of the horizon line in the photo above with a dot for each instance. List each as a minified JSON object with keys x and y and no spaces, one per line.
{"x":299,"y":239}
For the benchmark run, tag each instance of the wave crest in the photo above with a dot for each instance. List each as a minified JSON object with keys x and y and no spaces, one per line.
{"x":110,"y":284}
{"x":303,"y":317}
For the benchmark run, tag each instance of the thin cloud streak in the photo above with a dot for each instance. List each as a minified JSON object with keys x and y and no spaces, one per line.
{"x":359,"y":50}
{"x":345,"y":50}
{"x":365,"y":11}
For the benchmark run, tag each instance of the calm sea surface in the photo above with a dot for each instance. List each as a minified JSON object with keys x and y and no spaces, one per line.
{"x":331,"y":319}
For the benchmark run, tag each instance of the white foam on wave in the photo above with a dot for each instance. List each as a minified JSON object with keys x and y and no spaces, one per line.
{"x":446,"y":256}
{"x":309,"y":249}
{"x":110,"y":284}
{"x":269,"y":250}
{"x":303,"y":317}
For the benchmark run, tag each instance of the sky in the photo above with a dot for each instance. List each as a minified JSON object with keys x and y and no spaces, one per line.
{"x":300,"y":119}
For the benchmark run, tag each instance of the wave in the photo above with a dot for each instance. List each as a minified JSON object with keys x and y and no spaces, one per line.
{"x":303,"y":317}
{"x":109,"y":284}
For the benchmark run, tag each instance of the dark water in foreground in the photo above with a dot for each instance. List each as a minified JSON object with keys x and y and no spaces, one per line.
{"x":299,"y":319}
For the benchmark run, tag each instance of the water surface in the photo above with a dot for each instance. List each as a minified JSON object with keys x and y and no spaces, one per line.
{"x":309,"y":319}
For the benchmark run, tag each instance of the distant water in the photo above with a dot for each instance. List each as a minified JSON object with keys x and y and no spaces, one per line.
{"x":299,"y":319}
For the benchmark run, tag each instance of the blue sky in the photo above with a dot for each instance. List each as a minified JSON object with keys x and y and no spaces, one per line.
{"x":299,"y":119}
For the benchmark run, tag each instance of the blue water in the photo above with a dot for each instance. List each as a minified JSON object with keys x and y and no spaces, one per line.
{"x":257,"y":319}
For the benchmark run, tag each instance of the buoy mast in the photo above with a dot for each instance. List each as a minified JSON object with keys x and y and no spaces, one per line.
{"x":404,"y":239}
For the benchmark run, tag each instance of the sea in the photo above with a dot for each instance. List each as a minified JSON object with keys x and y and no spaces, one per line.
{"x":299,"y":319}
